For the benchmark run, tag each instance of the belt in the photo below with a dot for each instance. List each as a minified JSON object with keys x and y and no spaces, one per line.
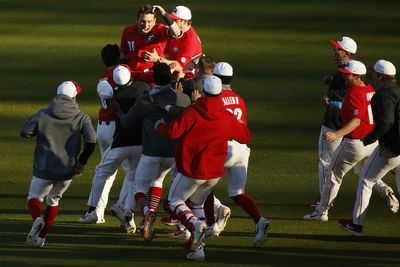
{"x":106,"y":122}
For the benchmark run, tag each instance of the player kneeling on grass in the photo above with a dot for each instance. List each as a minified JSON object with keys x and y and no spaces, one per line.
{"x":57,"y":158}
{"x":200,"y":157}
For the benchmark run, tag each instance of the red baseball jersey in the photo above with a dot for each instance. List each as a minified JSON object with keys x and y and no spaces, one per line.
{"x":106,"y":114}
{"x":357,"y":104}
{"x":185,"y":48}
{"x":234,"y":104}
{"x":134,"y":43}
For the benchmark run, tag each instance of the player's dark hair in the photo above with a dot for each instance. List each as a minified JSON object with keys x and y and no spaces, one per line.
{"x":110,"y":54}
{"x":162,"y":74}
{"x":225,"y":79}
{"x":144,"y":9}
{"x":206,"y":64}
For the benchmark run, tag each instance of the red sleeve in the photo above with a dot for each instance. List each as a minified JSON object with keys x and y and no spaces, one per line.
{"x":124,"y":44}
{"x":357,"y":106}
{"x":239,"y":130}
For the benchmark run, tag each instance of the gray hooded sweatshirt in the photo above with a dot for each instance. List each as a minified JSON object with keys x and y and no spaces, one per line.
{"x":58,"y":131}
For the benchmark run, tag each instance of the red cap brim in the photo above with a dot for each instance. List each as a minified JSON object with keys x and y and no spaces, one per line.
{"x":78,"y":88}
{"x":334,"y":43}
{"x":172,"y":16}
{"x":344,"y":71}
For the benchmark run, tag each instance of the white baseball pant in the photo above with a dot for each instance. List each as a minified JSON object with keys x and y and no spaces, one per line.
{"x":112,"y":159}
{"x":105,"y":134}
{"x":197,"y":190}
{"x":151,"y":172}
{"x":374,"y":170}
{"x":52,"y":190}
{"x":325,"y":152}
{"x":236,"y":163}
{"x":348,"y":154}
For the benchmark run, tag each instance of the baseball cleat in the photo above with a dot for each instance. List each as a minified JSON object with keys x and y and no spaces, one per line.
{"x":118,"y":213}
{"x":37,"y":226}
{"x":91,"y":218}
{"x":39,"y":242}
{"x":129,"y":225}
{"x":148,"y":227}
{"x":198,"y":234}
{"x":197,"y":255}
{"x":213,"y":230}
{"x":180,"y":234}
{"x":262,"y":228}
{"x":223,"y":213}
{"x":391,"y":200}
{"x":169,"y":220}
{"x":349,"y":226}
{"x":315,"y":203}
{"x":316,"y":216}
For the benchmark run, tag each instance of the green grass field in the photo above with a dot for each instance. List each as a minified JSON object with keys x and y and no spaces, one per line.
{"x":280,"y":51}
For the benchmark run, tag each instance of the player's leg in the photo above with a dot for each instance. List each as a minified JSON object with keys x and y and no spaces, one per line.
{"x":110,"y":162}
{"x":38,"y":189}
{"x":325,"y":152}
{"x":50,"y":214}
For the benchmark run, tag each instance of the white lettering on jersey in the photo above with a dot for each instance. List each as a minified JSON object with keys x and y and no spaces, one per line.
{"x":237,"y":112}
{"x":230,"y":100}
{"x":131,"y":45}
{"x":370,"y":95}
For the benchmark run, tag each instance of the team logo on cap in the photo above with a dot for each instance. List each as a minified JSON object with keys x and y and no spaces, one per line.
{"x":175,"y":49}
{"x":355,"y":112}
{"x":150,"y":38}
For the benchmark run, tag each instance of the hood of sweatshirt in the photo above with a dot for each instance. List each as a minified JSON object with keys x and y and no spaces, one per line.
{"x":63,"y":107}
{"x":210,"y":108}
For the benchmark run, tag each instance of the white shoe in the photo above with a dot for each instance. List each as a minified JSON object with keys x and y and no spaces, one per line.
{"x":223,"y":214}
{"x":37,"y":226}
{"x":129,"y":225}
{"x":213,"y":230}
{"x":118,"y":213}
{"x":197,"y":255}
{"x":323,"y":217}
{"x":198,"y":234}
{"x":39,"y":242}
{"x":262,"y":228}
{"x":91,"y":218}
{"x":180,"y":234}
{"x":391,"y":200}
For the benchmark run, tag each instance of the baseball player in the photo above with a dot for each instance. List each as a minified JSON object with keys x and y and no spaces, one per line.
{"x":126,"y":145}
{"x":344,"y":50}
{"x":57,"y":158}
{"x":184,"y":49}
{"x":157,"y":157}
{"x":357,"y":123}
{"x":386,"y":112}
{"x":200,"y":157}
{"x":146,"y":36}
{"x":110,"y":55}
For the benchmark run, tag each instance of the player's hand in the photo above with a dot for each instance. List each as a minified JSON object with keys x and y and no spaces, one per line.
{"x":325,"y":100}
{"x":161,"y":121}
{"x":151,"y":56}
{"x":179,"y":86}
{"x":330,"y":136}
{"x":159,"y":100}
{"x":157,"y":8}
{"x":195,"y":95}
{"x":175,"y":67}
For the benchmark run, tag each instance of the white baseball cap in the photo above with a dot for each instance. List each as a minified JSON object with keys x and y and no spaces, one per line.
{"x":354,"y":67}
{"x":212,"y":85}
{"x":223,"y":69}
{"x":104,"y":90}
{"x":122,"y":74}
{"x":385,"y":67}
{"x":346,"y":43}
{"x":69,"y":88}
{"x":180,"y":12}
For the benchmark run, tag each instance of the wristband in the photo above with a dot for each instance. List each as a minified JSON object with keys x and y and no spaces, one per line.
{"x":168,"y":20}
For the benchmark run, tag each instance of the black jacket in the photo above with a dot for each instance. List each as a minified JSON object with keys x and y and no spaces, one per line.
{"x":337,"y":91}
{"x":386,"y":111}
